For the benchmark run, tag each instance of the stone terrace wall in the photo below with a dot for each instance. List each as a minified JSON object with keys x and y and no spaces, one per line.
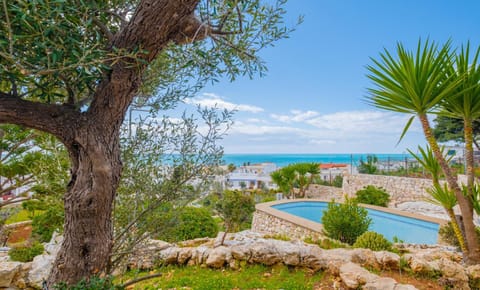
{"x":324,"y":192}
{"x":401,"y":189}
{"x":268,"y":224}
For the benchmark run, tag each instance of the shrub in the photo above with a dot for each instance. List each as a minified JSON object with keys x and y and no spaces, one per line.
{"x":373,"y":241}
{"x":345,"y":221}
{"x":188,"y":223}
{"x":448,"y":235}
{"x":236,"y":209}
{"x":45,"y":224}
{"x":373,"y":195}
{"x":26,"y":254}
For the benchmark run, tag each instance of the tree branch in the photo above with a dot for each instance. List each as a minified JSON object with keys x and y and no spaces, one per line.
{"x":106,"y":32}
{"x":153,"y":25}
{"x":50,"y":118}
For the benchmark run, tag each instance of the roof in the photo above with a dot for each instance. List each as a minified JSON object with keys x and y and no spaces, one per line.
{"x":332,"y":165}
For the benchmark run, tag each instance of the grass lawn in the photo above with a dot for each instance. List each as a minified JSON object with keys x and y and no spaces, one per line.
{"x":249,"y":277}
{"x":21,"y":216}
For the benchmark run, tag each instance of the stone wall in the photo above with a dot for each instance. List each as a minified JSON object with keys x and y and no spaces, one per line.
{"x":324,"y":192}
{"x":401,"y":189}
{"x":272,"y":225}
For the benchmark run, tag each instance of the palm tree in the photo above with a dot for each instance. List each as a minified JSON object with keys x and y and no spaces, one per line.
{"x":305,"y":173}
{"x":415,"y":84}
{"x":465,"y":104}
{"x":439,"y":195}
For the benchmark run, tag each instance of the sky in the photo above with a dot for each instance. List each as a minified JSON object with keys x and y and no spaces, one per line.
{"x":312,"y":99}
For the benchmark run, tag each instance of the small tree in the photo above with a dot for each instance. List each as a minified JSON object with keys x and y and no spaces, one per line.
{"x":345,"y":221}
{"x":236,"y":209}
{"x":373,"y":195}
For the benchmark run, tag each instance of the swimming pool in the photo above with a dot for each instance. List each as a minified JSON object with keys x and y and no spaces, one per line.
{"x":418,"y":230}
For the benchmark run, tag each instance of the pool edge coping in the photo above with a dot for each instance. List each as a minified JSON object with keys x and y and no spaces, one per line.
{"x":267,"y":208}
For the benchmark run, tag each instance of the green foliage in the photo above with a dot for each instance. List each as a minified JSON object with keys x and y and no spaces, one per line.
{"x":186,"y":223}
{"x":326,"y":243}
{"x":32,"y":160}
{"x":373,"y":241}
{"x":26,"y":254}
{"x":373,"y":195}
{"x":368,"y":167}
{"x":46,"y":223}
{"x":447,"y":234}
{"x":345,"y":221}
{"x":451,"y":129}
{"x":94,"y":283}
{"x":298,"y":175}
{"x":338,"y":181}
{"x":428,"y":160}
{"x":236,"y":209}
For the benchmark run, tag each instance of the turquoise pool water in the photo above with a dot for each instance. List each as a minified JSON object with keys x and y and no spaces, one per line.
{"x":410,"y":230}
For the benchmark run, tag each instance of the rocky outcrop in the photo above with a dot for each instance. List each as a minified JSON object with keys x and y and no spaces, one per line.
{"x":349,"y":266}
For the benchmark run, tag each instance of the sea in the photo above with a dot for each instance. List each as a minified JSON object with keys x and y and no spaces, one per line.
{"x":285,"y":159}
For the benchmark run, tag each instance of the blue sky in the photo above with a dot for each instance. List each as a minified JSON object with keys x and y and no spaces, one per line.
{"x":312,"y":98}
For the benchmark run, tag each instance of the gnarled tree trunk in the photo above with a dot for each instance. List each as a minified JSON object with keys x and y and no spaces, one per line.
{"x":96,"y":168}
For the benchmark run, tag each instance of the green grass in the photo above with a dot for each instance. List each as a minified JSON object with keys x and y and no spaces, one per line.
{"x":249,"y":277}
{"x":21,"y":216}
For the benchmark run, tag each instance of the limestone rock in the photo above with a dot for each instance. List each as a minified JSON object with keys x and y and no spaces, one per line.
{"x":365,"y":258}
{"x":313,"y":257}
{"x":453,"y":274}
{"x":387,"y":260}
{"x":169,"y":255}
{"x":473,"y":273}
{"x":42,"y":264}
{"x":184,"y":255}
{"x":354,"y":276}
{"x":241,"y":252}
{"x":8,"y":270}
{"x":218,"y":257}
{"x":199,"y":255}
{"x":382,"y":283}
{"x":418,"y":264}
{"x":264,"y":253}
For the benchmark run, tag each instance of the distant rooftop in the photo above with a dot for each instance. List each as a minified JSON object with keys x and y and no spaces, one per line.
{"x":332,"y":165}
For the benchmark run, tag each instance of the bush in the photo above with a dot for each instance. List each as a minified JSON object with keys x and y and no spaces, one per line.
{"x":345,"y":221}
{"x":45,"y":224}
{"x":373,"y":241}
{"x":448,"y":235}
{"x":26,"y":254}
{"x":188,"y":223}
{"x":236,"y":209}
{"x":373,"y":195}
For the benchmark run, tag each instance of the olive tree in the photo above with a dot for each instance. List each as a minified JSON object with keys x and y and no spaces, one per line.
{"x":73,"y":68}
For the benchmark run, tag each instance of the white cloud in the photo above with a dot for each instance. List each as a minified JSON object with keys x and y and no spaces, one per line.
{"x":240,"y":127}
{"x":360,"y":121}
{"x":297,"y":116}
{"x":212,"y":100}
{"x":309,"y":131}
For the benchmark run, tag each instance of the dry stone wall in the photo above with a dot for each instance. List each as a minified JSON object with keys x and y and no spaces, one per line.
{"x":324,"y":192}
{"x":401,"y":189}
{"x":272,"y":225}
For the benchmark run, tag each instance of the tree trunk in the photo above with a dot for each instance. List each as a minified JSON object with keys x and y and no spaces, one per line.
{"x":457,"y":229}
{"x":88,"y":230}
{"x":466,"y":208}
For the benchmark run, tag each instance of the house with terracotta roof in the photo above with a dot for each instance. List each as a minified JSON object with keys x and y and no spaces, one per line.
{"x":328,"y":171}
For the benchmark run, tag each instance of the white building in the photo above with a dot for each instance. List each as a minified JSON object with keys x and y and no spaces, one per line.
{"x":255,"y":176}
